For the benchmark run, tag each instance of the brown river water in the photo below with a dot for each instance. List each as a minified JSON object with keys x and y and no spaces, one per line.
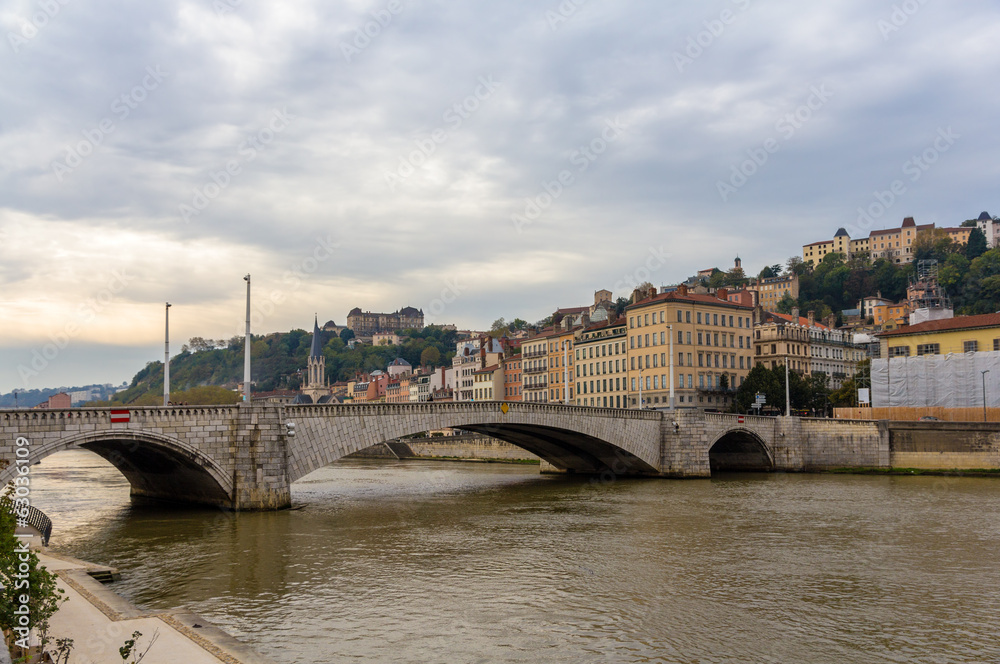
{"x":419,"y":561}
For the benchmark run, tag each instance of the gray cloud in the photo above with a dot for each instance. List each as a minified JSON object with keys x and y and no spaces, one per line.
{"x":560,"y":78}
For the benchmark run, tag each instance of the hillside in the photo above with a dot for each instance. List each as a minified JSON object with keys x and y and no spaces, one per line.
{"x":276,"y":362}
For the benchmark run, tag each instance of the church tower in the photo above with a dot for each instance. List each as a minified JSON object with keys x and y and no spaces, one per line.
{"x":315,"y":385}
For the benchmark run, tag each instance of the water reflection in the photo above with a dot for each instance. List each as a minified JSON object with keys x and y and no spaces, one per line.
{"x":425,"y":561}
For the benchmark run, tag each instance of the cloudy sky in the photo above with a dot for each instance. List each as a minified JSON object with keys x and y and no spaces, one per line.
{"x":476,"y":159}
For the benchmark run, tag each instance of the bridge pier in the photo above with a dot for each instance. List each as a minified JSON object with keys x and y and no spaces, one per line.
{"x":260,"y":460}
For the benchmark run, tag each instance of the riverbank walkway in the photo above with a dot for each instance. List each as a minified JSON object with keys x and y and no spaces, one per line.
{"x":100,"y":621}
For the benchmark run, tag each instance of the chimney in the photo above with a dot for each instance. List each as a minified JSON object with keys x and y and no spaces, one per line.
{"x":722,"y":293}
{"x":585,"y":319}
{"x":795,"y":315}
{"x":812,"y":318}
{"x":652,"y":291}
{"x":682,"y":289}
{"x":637,"y":295}
{"x":831,"y":321}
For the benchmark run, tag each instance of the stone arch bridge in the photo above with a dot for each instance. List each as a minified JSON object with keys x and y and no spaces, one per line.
{"x":245,"y":457}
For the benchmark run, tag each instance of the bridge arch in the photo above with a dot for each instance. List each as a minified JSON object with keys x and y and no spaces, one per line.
{"x":155,"y":465}
{"x":740,"y":450}
{"x":572,"y":439}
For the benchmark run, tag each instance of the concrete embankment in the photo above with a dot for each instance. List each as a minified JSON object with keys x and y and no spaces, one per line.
{"x":463,"y":448}
{"x":99,"y":621}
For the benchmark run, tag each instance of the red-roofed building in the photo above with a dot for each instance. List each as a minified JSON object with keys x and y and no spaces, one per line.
{"x":961,"y":334}
{"x":712,"y":348}
{"x":487,"y":383}
{"x":807,"y":346}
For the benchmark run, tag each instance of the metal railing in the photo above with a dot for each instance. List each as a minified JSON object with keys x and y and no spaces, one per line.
{"x":35,"y":518}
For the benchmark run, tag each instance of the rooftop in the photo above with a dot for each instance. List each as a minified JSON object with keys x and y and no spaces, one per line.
{"x":947,"y":324}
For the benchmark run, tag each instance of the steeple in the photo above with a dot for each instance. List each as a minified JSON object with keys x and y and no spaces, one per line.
{"x":317,"y":347}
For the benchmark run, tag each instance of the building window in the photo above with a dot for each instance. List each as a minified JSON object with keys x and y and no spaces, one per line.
{"x":680,"y":316}
{"x":699,"y":318}
{"x":687,"y":316}
{"x":996,"y":344}
{"x":929,"y":349}
{"x":970,"y":346}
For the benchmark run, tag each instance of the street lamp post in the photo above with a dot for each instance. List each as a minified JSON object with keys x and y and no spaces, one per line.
{"x":788,"y":402}
{"x":246,"y":348}
{"x":640,"y":386}
{"x":984,"y":372}
{"x":566,"y":372}
{"x":166,"y":356}
{"x":670,"y":332}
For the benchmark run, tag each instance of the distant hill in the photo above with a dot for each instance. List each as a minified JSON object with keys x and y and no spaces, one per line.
{"x":278,"y":361}
{"x":80,"y":394}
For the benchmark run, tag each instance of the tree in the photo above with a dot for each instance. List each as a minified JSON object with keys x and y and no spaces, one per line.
{"x":498,"y":328}
{"x":346,"y":335}
{"x":518,"y":324}
{"x":932,"y":243}
{"x":430,"y":357}
{"x":786,"y":303}
{"x":976,"y":246}
{"x":620,"y":305}
{"x":766,"y":273}
{"x":759,"y":381}
{"x":20,"y":569}
{"x":795,"y":265}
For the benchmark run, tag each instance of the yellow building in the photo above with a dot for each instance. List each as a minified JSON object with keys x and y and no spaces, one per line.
{"x":711,"y":343}
{"x":487,"y":383}
{"x":601,"y":368}
{"x":535,"y":371}
{"x":560,"y":360}
{"x":962,"y":334}
{"x":891,"y":314}
{"x":959,"y":235}
{"x":771,"y":291}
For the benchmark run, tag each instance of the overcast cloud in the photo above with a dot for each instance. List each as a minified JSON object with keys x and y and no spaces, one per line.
{"x":354,"y":180}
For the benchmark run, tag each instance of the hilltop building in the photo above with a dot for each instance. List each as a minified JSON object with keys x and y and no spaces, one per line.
{"x":366,"y":324}
{"x":892,"y":244}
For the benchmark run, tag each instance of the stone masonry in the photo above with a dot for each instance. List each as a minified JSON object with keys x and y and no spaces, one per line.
{"x":245,"y":458}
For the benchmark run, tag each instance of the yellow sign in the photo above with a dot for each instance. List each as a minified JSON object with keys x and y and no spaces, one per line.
{"x":504,"y":407}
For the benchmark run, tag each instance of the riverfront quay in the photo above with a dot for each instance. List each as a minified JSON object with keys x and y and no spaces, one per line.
{"x":444,"y":562}
{"x":99,"y":622}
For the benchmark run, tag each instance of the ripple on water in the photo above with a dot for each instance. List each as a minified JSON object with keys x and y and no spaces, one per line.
{"x":445,"y":562}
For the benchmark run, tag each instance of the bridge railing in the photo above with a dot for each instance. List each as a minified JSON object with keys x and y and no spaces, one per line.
{"x":104,"y":413}
{"x":431,"y":407}
{"x":735,"y":418}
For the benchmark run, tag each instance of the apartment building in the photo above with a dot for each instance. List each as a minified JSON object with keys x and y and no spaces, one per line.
{"x":712,"y":349}
{"x":535,"y":372}
{"x":601,"y":367}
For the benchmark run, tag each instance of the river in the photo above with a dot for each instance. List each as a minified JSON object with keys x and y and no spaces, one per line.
{"x":419,"y":561}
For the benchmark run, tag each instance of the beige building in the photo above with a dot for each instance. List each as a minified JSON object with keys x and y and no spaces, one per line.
{"x":711,"y":348}
{"x":892,"y":244}
{"x":488,"y":383}
{"x":535,"y":371}
{"x":601,"y":368}
{"x":562,"y":388}
{"x":771,"y":291}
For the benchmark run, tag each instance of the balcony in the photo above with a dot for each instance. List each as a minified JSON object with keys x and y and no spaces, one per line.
{"x":536,"y":370}
{"x":534,"y":353}
{"x":540,"y":385}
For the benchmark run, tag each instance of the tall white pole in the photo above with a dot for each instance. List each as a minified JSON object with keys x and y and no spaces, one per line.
{"x":246,"y":346}
{"x":670,"y":332}
{"x":640,"y":385}
{"x":565,"y":372}
{"x":788,"y":403}
{"x":166,"y":357}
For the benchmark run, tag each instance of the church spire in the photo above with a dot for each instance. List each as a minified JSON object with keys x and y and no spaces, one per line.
{"x":317,"y":347}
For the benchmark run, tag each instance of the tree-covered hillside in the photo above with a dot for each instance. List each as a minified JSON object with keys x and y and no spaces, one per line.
{"x":277,"y":361}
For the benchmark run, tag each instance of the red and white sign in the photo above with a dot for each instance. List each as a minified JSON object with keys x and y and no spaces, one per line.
{"x":120,"y":416}
{"x":739,"y":420}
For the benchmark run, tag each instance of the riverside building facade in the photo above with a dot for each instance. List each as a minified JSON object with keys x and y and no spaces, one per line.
{"x":704,"y":341}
